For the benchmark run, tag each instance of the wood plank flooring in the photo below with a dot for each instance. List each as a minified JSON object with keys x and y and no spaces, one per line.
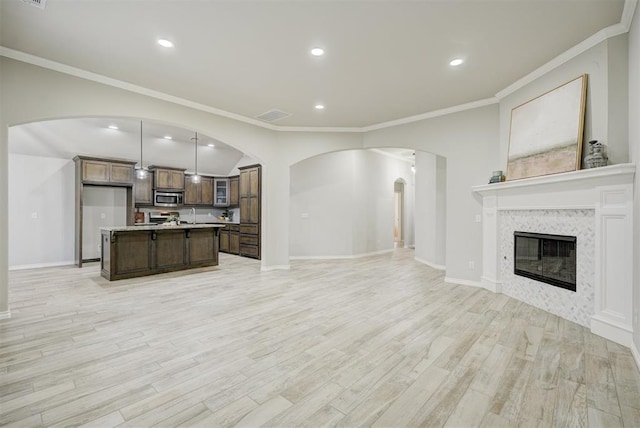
{"x":380,"y":341}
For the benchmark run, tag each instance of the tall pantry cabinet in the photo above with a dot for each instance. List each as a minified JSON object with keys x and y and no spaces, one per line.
{"x":250,"y":184}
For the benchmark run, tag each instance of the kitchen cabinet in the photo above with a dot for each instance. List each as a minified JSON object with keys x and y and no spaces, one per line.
{"x":230,"y":239}
{"x":250,"y":195}
{"x":200,"y":193}
{"x":220,"y":192}
{"x":143,"y":189}
{"x":223,"y":246}
{"x":105,"y":171}
{"x":166,"y":178}
{"x":234,"y":191}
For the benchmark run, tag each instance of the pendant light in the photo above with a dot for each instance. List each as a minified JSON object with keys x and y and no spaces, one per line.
{"x":196,"y":178}
{"x":142,"y":172}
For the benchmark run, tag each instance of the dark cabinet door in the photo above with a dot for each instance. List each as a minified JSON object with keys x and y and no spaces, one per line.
{"x":190,"y":191}
{"x":206,"y":191}
{"x":234,"y":243}
{"x":144,"y":190}
{"x":234,"y":191}
{"x":224,"y":241}
{"x":171,"y":251}
{"x":202,"y":246}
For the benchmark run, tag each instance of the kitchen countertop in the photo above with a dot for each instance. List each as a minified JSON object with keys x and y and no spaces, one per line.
{"x":160,"y":227}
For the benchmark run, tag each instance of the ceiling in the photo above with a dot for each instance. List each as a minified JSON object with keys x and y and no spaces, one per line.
{"x":384,"y":60}
{"x":67,"y":138}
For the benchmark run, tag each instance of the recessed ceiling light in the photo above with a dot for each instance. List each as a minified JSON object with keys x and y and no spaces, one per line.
{"x":113,"y":127}
{"x":319,"y":107}
{"x":165,"y":43}
{"x":317,"y":51}
{"x":168,"y":137}
{"x":210,"y":145}
{"x":456,"y":62}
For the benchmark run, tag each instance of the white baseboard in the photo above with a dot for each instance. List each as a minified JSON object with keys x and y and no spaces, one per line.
{"x":5,"y":314}
{"x":431,"y":265}
{"x":351,"y":256}
{"x":636,"y":354}
{"x":41,"y":265}
{"x":612,"y":331}
{"x":468,"y":282}
{"x":274,"y":267}
{"x":491,"y":285}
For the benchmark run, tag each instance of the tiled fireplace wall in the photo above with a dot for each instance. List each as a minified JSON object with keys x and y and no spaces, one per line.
{"x":575,"y":306}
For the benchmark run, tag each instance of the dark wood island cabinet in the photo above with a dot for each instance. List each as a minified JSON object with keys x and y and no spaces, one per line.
{"x":134,"y":251}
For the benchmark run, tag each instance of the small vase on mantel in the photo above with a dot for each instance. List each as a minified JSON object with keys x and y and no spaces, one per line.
{"x":596,"y":156}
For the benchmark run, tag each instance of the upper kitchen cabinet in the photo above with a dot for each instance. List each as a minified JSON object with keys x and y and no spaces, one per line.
{"x":143,"y":189}
{"x":221,"y":192}
{"x":234,"y":191}
{"x":200,"y":193}
{"x":166,"y":178}
{"x":99,"y":171}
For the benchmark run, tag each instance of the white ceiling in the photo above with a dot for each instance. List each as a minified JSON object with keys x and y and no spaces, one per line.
{"x":385,"y":60}
{"x":67,"y":138}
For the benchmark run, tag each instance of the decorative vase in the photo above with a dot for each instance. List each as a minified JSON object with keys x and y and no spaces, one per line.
{"x":596,"y":156}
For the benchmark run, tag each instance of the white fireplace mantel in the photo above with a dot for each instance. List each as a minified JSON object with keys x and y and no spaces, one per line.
{"x":608,"y":191}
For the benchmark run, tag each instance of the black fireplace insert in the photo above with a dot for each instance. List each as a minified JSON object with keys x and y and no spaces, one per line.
{"x":546,"y":258}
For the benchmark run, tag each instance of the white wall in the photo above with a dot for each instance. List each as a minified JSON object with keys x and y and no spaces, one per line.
{"x":342,"y":204}
{"x":634,"y":151}
{"x":102,"y":207}
{"x":430,"y":213}
{"x":43,"y":186}
{"x":605,"y":115}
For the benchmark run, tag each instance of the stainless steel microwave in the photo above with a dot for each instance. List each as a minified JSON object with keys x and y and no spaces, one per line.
{"x":167,"y":199}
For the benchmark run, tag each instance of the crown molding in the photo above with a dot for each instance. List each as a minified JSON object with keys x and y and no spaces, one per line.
{"x":566,"y":56}
{"x":432,"y":114}
{"x":602,"y":35}
{"x":99,"y":78}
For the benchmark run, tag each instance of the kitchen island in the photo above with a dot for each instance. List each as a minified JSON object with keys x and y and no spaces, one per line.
{"x":133,"y":251}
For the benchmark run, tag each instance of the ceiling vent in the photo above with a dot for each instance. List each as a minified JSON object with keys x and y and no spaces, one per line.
{"x":272,"y":116}
{"x":38,"y":3}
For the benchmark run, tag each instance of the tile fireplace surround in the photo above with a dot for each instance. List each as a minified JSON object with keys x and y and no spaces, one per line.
{"x":596,"y":206}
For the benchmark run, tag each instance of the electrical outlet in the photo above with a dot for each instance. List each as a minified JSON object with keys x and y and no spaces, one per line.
{"x":34,"y":215}
{"x":103,"y":216}
{"x":304,"y":215}
{"x":635,"y":317}
{"x":209,"y":215}
{"x":478,"y":218}
{"x":472,"y":264}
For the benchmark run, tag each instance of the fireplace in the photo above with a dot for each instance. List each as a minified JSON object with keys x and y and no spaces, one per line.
{"x":546,"y":258}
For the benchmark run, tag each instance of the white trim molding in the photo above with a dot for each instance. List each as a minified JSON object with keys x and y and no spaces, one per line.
{"x":5,"y":315}
{"x":41,"y":265}
{"x":431,"y":265}
{"x":467,"y":282}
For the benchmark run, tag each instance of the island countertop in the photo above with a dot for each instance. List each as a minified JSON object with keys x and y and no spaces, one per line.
{"x":160,"y":227}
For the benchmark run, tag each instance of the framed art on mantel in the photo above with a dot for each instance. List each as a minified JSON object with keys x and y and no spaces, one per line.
{"x":546,"y":132}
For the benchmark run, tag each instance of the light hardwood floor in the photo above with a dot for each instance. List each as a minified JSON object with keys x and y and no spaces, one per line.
{"x":380,"y":341}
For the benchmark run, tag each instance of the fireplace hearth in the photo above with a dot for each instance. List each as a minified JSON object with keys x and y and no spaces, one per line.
{"x":546,"y":258}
